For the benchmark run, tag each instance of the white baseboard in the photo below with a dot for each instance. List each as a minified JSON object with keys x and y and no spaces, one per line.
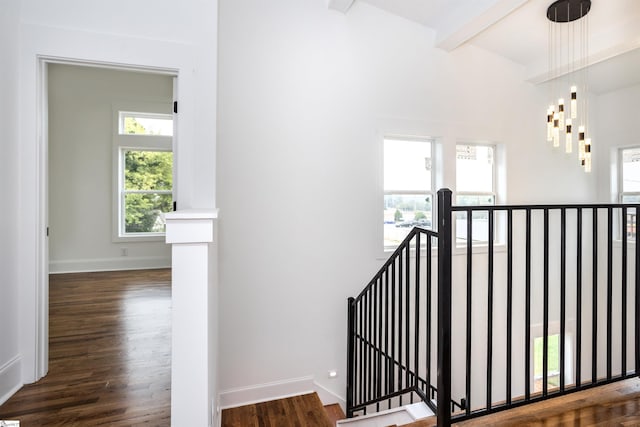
{"x":109,"y":264}
{"x":10,"y":378}
{"x":277,"y":390}
{"x":265,"y":392}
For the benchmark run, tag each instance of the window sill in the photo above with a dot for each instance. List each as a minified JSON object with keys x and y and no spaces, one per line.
{"x":140,"y":238}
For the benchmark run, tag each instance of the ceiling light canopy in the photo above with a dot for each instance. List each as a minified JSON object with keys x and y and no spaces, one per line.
{"x":568,"y":10}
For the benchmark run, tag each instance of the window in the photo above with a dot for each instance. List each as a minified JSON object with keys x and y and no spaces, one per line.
{"x":475,"y":186}
{"x":143,"y":143}
{"x":130,"y":123}
{"x":147,"y":183}
{"x":630,"y":184}
{"x":553,"y":362}
{"x":408,"y":192}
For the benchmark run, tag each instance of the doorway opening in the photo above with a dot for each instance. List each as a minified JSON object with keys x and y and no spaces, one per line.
{"x":80,"y":198}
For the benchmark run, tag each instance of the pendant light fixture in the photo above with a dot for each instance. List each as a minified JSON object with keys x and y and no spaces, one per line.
{"x":568,"y":56}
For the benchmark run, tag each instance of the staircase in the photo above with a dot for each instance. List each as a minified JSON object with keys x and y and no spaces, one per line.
{"x":402,"y":416}
{"x":307,"y":410}
{"x":304,"y":410}
{"x":567,"y":279}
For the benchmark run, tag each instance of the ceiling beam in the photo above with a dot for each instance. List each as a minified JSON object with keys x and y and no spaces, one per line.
{"x":614,"y":42}
{"x":340,"y":5}
{"x":465,"y":22}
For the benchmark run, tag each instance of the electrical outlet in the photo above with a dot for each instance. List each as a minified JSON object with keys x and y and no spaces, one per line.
{"x":124,"y":251}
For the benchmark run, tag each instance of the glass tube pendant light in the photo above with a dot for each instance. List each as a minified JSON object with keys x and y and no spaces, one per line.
{"x":568,"y":36}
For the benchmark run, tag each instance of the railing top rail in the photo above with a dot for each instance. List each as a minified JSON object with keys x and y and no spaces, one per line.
{"x":544,"y":206}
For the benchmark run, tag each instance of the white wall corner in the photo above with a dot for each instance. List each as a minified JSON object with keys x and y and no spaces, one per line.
{"x":328,"y":397}
{"x":242,"y":396}
{"x":340,"y":5}
{"x":10,"y":379}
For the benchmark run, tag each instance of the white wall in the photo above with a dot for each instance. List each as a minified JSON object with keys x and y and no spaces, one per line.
{"x":617,"y":117}
{"x":156,"y":35}
{"x":9,"y":283}
{"x":305,"y":96}
{"x":81,"y":165}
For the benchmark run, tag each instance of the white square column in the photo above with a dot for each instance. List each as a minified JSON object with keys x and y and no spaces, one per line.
{"x":194,"y":320}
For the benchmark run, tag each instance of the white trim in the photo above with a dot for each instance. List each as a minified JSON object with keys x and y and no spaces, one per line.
{"x":258,"y":393}
{"x":10,"y":378}
{"x":265,"y":392}
{"x":109,"y":264}
{"x":41,"y":45}
{"x":328,"y":397}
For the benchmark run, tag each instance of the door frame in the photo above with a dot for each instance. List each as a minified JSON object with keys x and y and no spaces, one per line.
{"x":41,"y":348}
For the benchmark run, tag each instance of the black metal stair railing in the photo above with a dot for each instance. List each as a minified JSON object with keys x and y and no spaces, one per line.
{"x":547,"y":302}
{"x":392,"y":329}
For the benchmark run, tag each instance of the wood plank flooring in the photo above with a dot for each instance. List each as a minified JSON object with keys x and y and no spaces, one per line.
{"x":297,"y":411}
{"x":335,"y":413}
{"x":616,"y":404}
{"x":109,"y":353}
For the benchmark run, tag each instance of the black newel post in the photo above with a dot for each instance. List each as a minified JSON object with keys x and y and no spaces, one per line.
{"x":444,"y":307}
{"x":350,"y":355}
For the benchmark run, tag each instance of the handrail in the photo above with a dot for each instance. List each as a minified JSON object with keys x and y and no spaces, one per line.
{"x":394,"y":255}
{"x":550,"y":275}
{"x":384,"y":323}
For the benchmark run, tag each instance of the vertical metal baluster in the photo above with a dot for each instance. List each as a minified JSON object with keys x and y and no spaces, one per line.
{"x":527,"y":340}
{"x":362,"y":350}
{"x":428,"y":313}
{"x":392,"y":370}
{"x":416,"y":348}
{"x":594,"y":307}
{"x":408,"y":319}
{"x":374,"y":341}
{"x":379,"y":304}
{"x":545,"y":304}
{"x":400,"y":323}
{"x":578,"y":298}
{"x":563,"y":292}
{"x":370,"y":342}
{"x":386,"y":334}
{"x":636,"y":309}
{"x":490,"y":309}
{"x":509,"y":300}
{"x":609,"y":291}
{"x":623,"y":365}
{"x":350,"y":354}
{"x":469,"y":309}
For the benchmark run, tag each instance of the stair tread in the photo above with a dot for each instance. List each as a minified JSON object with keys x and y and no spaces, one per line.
{"x":335,"y":412}
{"x":424,"y":422}
{"x":293,"y":411}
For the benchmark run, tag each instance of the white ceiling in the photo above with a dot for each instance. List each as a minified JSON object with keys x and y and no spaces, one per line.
{"x":518,"y":30}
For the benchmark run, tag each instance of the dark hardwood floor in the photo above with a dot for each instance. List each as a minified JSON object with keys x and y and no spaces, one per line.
{"x":109,"y":353}
{"x":297,"y":411}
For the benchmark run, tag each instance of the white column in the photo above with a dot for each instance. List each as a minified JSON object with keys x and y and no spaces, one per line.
{"x":193,"y":364}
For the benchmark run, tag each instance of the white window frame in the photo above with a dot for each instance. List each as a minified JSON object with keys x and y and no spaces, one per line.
{"x":431,"y":192}
{"x":622,"y":193}
{"x":143,"y":115}
{"x":493,"y":193}
{"x":127,"y":142}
